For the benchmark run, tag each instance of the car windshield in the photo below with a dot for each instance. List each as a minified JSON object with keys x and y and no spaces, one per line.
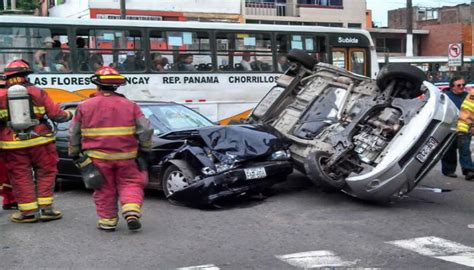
{"x":173,"y":117}
{"x":165,"y":118}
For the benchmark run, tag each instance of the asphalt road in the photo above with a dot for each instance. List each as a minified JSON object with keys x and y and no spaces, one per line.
{"x":297,"y":227}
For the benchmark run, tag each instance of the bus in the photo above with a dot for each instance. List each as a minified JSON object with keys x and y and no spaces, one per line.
{"x":435,"y":67}
{"x":221,"y":70}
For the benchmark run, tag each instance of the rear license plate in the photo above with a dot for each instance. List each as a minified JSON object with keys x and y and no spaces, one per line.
{"x":429,"y":146}
{"x":255,"y":173}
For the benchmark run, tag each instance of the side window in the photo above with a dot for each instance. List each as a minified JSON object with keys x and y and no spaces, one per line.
{"x":250,"y":52}
{"x":314,"y":45}
{"x":121,"y":49}
{"x":182,"y":51}
{"x":46,"y":49}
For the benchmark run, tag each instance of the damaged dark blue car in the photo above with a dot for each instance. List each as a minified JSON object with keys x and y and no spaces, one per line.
{"x":198,"y":163}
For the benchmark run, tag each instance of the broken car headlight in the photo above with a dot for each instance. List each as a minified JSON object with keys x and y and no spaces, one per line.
{"x":280,"y":155}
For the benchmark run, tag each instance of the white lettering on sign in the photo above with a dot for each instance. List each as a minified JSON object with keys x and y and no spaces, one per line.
{"x":347,"y":40}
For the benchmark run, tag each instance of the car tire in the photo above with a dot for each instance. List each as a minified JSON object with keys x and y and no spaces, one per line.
{"x":173,"y":179}
{"x":314,"y":169}
{"x":302,"y":57}
{"x":411,"y":75}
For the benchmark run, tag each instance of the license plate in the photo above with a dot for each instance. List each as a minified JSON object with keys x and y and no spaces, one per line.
{"x":429,"y":146}
{"x":255,"y":173}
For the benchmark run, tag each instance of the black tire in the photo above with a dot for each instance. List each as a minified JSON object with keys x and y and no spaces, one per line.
{"x":411,"y":76}
{"x":314,"y":167}
{"x":170,"y":172}
{"x":302,"y":57}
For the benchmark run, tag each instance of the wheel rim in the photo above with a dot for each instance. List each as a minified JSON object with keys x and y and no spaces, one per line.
{"x":176,"y":181}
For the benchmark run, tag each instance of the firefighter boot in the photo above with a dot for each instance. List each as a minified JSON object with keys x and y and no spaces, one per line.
{"x":10,"y":206}
{"x":20,"y":217}
{"x":48,"y":214}
{"x":107,"y":224}
{"x":133,"y":222}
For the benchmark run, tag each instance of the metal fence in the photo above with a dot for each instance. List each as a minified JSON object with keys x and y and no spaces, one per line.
{"x":271,"y":9}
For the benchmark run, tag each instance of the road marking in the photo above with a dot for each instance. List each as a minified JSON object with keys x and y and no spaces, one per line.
{"x":439,"y":248}
{"x":314,"y":259}
{"x":200,"y":267}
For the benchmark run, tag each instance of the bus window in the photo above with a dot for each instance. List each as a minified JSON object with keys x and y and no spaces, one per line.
{"x":182,"y":51}
{"x":244,"y":52}
{"x":44,"y":48}
{"x":121,"y":49}
{"x":339,"y":58}
{"x":314,"y":45}
{"x":357,"y":61}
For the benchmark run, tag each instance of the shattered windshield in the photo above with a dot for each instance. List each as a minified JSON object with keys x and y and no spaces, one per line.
{"x":173,"y":117}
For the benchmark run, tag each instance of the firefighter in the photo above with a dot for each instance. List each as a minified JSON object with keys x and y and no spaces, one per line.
{"x":9,"y":202}
{"x":465,"y":124}
{"x":110,"y":130}
{"x":28,"y":144}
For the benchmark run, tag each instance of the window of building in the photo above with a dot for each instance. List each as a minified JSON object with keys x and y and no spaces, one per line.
{"x":44,"y":48}
{"x":182,"y":51}
{"x":425,"y":14}
{"x":354,"y":25}
{"x":244,"y":51}
{"x":121,"y":49}
{"x":322,"y":3}
{"x":390,"y":45}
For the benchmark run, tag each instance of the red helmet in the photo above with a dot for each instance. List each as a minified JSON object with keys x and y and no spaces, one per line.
{"x":17,"y":67}
{"x":107,"y":78}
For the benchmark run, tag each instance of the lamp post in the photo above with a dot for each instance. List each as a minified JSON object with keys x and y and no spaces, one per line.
{"x":123,"y":10}
{"x":409,"y":47}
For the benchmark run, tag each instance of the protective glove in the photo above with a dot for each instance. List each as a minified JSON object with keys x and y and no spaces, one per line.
{"x":143,"y":160}
{"x":91,"y":176}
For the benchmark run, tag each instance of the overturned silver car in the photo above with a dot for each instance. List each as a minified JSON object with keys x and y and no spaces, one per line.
{"x":372,"y":139}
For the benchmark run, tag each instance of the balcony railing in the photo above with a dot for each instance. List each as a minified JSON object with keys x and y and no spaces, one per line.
{"x":271,"y":9}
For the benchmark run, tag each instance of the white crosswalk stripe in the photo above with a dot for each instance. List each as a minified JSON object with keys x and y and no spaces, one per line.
{"x":200,"y":267}
{"x":314,"y":259}
{"x":439,"y":248}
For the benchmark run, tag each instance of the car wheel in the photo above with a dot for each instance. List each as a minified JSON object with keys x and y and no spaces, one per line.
{"x":302,"y":57}
{"x":315,"y":168}
{"x":173,"y":180}
{"x":409,"y":77}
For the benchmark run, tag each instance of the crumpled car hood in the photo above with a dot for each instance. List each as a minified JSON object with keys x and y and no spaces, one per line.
{"x":244,"y":142}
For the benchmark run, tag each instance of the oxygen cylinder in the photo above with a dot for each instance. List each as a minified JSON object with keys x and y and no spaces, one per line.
{"x":19,"y":108}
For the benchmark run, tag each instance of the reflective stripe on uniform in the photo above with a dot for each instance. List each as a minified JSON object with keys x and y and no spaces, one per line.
{"x":462,"y":126}
{"x":111,"y":156}
{"x":3,"y":114}
{"x":468,"y":105}
{"x":131,"y":207}
{"x":108,"y":131}
{"x":28,"y":206}
{"x":108,"y":221}
{"x":39,"y":109}
{"x":25,"y":143}
{"x":45,"y":200}
{"x":112,"y":77}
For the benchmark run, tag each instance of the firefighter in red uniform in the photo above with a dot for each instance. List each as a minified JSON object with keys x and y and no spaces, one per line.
{"x":111,"y":130}
{"x":30,"y":148}
{"x":9,"y":202}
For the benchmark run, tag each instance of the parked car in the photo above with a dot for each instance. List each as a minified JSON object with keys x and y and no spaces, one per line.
{"x":372,"y":139}
{"x":197,"y":162}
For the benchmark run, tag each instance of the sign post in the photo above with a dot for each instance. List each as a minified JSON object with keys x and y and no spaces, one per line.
{"x":455,"y":55}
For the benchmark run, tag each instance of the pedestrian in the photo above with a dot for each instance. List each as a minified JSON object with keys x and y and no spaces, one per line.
{"x":8,"y":202}
{"x":462,"y":143}
{"x":28,"y":144}
{"x":110,"y":130}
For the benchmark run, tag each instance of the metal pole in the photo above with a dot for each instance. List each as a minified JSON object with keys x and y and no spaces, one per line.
{"x":123,"y":10}
{"x":409,"y":29}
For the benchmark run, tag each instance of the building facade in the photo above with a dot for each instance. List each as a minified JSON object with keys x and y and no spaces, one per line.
{"x":337,"y":13}
{"x":166,"y":10}
{"x":445,"y":25}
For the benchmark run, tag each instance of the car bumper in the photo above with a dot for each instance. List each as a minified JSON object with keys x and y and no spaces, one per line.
{"x":232,"y":183}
